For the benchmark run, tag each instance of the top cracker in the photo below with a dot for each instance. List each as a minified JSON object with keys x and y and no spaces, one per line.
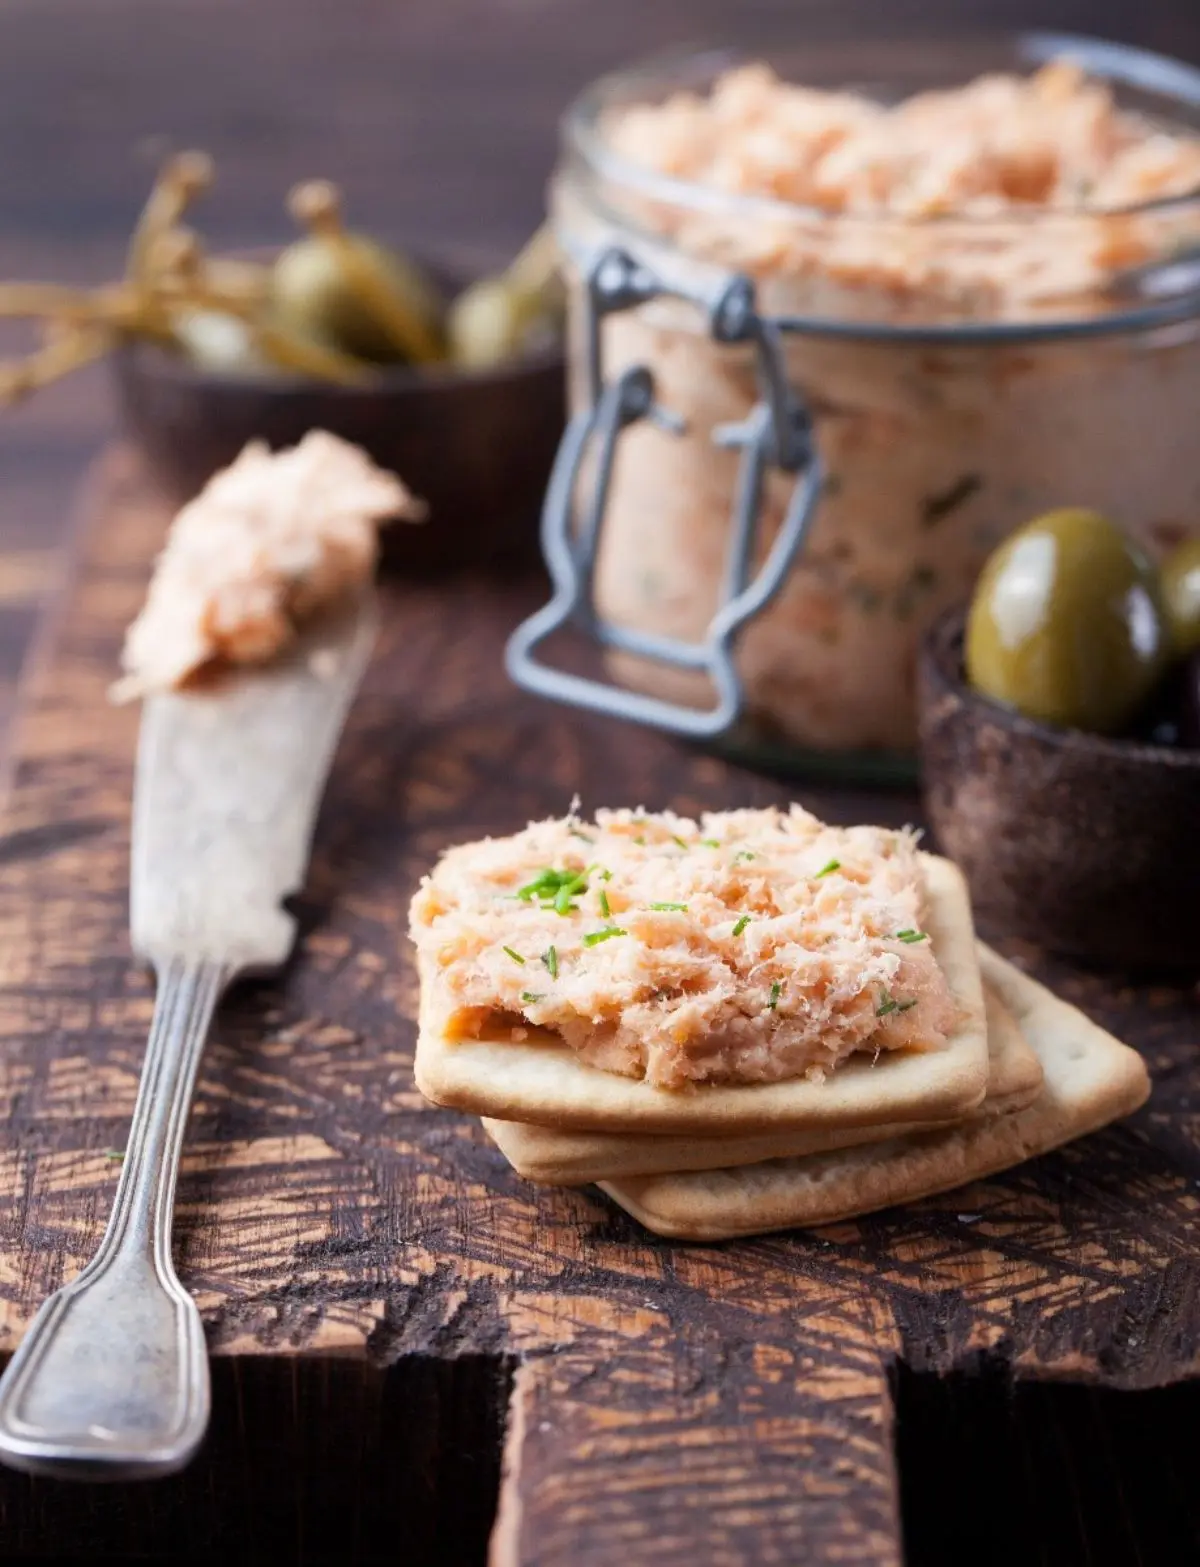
{"x":756,"y":970}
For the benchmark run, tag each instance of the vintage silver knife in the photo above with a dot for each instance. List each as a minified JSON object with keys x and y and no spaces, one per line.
{"x":111,"y":1379}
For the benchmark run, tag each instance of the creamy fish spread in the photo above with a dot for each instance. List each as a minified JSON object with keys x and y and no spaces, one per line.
{"x":269,"y":542}
{"x":751,"y":946}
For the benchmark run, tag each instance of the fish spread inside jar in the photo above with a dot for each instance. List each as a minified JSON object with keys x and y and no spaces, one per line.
{"x":1011,"y":199}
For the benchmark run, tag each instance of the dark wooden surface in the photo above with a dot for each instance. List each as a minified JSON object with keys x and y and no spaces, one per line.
{"x":380,"y":1292}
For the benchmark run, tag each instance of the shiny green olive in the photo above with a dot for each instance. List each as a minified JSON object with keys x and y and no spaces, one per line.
{"x":1066,"y":624}
{"x":1180,"y":575}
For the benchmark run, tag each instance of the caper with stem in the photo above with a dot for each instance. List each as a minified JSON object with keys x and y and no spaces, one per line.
{"x":349,"y":291}
{"x":489,"y":321}
{"x":180,"y":180}
{"x":499,"y":318}
{"x":183,"y":289}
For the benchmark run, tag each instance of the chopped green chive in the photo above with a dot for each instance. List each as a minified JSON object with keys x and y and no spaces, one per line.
{"x":114,"y":1154}
{"x":604,"y":908}
{"x":603,"y":874}
{"x":744,"y":854}
{"x":532,"y":995}
{"x":711,"y":843}
{"x":564,"y":901}
{"x":515,"y":956}
{"x":556,"y":889}
{"x":595,"y":937}
{"x":550,"y":959}
{"x":776,"y":992}
{"x":575,"y":833}
{"x":669,"y":908}
{"x":675,"y":838}
{"x":640,"y":841}
{"x":888,"y":1003}
{"x":741,"y":925}
{"x":828,"y":869}
{"x":544,"y":883}
{"x":911,"y":935}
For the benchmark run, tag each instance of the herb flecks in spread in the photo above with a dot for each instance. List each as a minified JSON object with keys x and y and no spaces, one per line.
{"x":735,"y":964}
{"x":268,"y":543}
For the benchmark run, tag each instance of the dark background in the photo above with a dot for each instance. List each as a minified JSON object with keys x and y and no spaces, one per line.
{"x":437,"y":116}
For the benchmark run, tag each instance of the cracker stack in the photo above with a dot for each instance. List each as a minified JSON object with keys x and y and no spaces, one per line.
{"x":1023,"y":1073}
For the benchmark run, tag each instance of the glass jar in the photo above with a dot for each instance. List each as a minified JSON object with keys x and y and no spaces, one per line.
{"x":951,"y":378}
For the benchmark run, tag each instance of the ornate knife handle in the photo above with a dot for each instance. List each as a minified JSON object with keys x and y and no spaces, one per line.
{"x":776,"y":432}
{"x":111,"y":1379}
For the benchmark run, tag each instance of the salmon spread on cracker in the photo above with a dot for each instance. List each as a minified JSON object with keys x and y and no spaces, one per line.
{"x":752,"y":946}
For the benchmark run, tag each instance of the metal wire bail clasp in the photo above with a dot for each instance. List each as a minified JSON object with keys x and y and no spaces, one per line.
{"x":775,"y":433}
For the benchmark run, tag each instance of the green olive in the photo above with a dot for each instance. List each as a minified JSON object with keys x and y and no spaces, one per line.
{"x":1066,"y":624}
{"x":1181,"y":596}
{"x":317,"y":289}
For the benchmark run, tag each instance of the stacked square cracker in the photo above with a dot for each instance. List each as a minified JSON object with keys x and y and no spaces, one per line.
{"x":1022,"y":1073}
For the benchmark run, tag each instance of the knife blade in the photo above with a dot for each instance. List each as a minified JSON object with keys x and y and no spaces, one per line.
{"x":111,"y":1379}
{"x":226,"y":792}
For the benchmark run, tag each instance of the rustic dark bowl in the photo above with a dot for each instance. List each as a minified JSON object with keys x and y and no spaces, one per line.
{"x":476,"y":445}
{"x":1088,"y":846}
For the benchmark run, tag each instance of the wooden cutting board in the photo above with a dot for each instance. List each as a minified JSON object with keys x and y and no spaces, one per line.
{"x":387,"y":1302}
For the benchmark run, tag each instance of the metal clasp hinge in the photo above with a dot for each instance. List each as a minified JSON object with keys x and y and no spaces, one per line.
{"x":776,"y":433}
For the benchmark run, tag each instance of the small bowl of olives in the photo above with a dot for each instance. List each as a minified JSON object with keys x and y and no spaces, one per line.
{"x":1060,"y":744}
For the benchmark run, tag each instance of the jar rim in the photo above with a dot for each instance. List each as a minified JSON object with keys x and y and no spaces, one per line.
{"x":1172,"y":81}
{"x":1162,"y":293}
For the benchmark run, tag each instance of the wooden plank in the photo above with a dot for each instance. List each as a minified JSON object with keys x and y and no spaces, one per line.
{"x":723,"y":1403}
{"x":784,"y":1465}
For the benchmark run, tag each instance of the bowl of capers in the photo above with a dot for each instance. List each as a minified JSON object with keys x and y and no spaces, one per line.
{"x":452,"y":379}
{"x":1060,"y":743}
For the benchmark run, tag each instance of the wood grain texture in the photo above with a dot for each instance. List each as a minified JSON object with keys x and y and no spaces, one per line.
{"x":728,"y":1403}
